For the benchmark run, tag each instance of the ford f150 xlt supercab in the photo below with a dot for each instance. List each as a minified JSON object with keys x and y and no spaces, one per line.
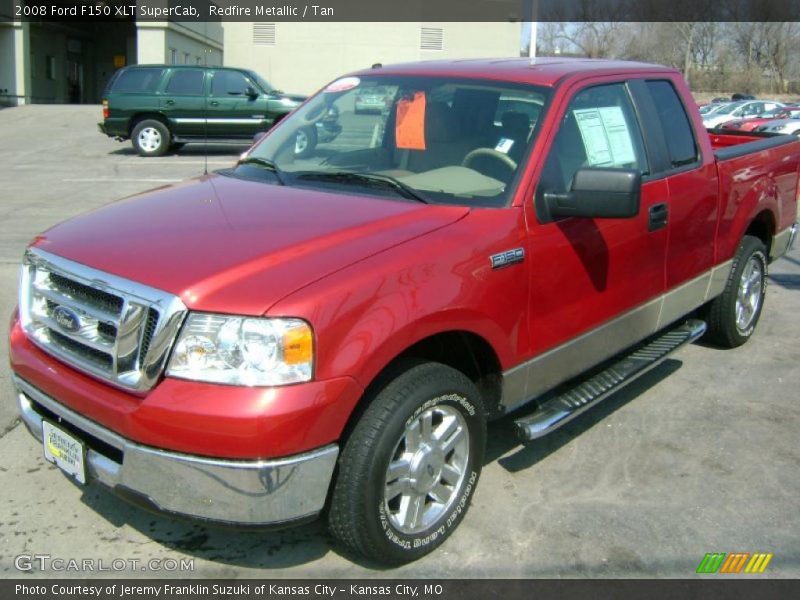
{"x":331,"y":329}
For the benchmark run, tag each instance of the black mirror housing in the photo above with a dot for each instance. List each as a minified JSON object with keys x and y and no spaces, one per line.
{"x":251,"y":92}
{"x":598,"y":193}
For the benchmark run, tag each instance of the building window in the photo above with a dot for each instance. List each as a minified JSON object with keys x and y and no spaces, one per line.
{"x":173,"y":56}
{"x":51,"y":68}
{"x":186,"y":58}
{"x":264,"y":34}
{"x":197,"y":60}
{"x":431,"y":38}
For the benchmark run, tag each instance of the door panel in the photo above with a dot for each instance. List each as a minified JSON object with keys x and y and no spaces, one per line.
{"x":692,"y":223}
{"x":232,"y":113}
{"x":184,"y":102}
{"x":693,"y":190}
{"x":586,"y":273}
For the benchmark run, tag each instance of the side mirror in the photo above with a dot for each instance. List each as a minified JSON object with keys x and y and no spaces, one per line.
{"x":251,"y":92}
{"x":257,"y":137}
{"x":598,"y":193}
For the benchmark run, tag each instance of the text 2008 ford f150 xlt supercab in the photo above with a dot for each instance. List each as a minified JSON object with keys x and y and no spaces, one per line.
{"x":331,"y":329}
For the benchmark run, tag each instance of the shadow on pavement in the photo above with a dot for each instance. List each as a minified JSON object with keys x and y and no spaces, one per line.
{"x":240,"y":547}
{"x":193,"y":150}
{"x":789,"y":281}
{"x":502,"y":437}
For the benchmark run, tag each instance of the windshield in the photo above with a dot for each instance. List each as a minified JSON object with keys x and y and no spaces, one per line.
{"x":262,"y":83}
{"x":422,"y":138}
{"x":710,"y":108}
{"x":728,"y":108}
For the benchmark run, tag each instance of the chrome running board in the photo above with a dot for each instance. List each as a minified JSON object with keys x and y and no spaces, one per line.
{"x":561,"y":409}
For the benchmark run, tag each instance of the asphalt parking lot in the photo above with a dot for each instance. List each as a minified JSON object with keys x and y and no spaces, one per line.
{"x":698,"y":456}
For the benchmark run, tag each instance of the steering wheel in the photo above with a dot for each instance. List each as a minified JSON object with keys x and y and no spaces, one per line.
{"x":507,"y":161}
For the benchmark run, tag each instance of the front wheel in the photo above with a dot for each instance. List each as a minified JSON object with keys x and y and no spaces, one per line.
{"x":410,"y":467}
{"x":733,"y":316}
{"x":305,"y":142}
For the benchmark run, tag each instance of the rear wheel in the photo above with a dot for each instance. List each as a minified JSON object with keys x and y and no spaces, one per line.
{"x":150,"y":138}
{"x":733,"y":316}
{"x":410,"y":467}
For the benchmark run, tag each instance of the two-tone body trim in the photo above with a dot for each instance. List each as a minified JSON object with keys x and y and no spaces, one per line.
{"x":782,"y":242}
{"x":533,"y":378}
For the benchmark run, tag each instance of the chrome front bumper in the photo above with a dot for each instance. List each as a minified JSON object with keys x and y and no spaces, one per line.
{"x":260,"y":492}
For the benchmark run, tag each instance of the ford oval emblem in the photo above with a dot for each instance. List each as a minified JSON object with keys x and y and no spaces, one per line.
{"x":67,"y":319}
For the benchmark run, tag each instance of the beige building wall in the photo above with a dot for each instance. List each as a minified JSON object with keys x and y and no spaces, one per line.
{"x":179,"y":43}
{"x":302,"y":57}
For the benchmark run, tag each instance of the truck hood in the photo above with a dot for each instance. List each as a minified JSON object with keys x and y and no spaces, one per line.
{"x":229,"y":245}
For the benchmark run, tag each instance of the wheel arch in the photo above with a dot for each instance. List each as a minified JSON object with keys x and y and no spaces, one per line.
{"x":762,"y":226}
{"x":461,"y":349}
{"x":143,"y":116}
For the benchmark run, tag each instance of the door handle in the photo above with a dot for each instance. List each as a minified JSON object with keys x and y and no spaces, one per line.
{"x":659,"y":215}
{"x":170,"y":102}
{"x":213,"y":103}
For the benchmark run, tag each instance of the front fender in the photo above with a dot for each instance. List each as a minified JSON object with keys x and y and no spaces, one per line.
{"x":370,"y":312}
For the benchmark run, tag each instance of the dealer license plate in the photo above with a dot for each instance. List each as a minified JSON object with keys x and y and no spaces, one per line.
{"x":64,"y":451}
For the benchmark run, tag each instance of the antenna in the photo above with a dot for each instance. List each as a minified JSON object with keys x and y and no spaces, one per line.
{"x":205,"y":100}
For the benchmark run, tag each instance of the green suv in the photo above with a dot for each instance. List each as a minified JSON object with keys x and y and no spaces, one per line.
{"x":163,"y":107}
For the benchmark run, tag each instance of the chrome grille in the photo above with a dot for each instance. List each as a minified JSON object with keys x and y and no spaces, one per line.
{"x":109,"y":327}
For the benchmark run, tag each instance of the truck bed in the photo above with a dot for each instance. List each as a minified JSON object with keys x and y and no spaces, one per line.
{"x":729,"y":144}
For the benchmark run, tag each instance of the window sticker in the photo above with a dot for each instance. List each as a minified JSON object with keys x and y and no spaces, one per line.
{"x":504,"y":145}
{"x":410,"y":126}
{"x":606,"y":136}
{"x":342,"y":85}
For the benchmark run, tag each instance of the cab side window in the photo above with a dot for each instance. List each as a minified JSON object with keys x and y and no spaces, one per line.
{"x":599,"y":130}
{"x":678,"y":132}
{"x":229,"y":83}
{"x":186,"y":82}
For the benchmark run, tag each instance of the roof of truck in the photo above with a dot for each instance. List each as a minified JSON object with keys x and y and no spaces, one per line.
{"x":542,"y":71}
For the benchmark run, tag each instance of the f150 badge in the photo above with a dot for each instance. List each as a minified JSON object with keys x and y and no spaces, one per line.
{"x":509,"y":257}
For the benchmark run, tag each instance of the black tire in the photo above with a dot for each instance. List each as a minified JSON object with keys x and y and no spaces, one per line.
{"x":363,"y":513}
{"x":150,"y":138}
{"x":725,"y":329}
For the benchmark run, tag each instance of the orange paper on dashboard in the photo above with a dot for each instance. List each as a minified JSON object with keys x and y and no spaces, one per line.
{"x":410,"y":129}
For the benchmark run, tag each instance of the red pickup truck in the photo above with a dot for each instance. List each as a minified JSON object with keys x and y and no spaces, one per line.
{"x":328,"y":325}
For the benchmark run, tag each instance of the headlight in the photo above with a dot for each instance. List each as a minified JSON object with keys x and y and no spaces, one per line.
{"x":243,"y":350}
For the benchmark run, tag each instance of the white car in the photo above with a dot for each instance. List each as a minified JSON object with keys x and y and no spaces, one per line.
{"x":782,"y":126}
{"x":747,"y":109}
{"x":713,"y":107}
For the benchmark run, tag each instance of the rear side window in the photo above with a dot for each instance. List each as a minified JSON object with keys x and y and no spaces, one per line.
{"x":678,"y":132}
{"x":227,"y":83}
{"x":186,"y":82}
{"x":137,"y":81}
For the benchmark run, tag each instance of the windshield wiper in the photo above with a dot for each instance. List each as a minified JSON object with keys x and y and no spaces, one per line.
{"x":266,"y":163}
{"x":383,"y":181}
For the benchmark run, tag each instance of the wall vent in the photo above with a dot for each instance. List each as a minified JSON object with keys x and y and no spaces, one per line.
{"x":264,"y":34}
{"x":431,"y":38}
